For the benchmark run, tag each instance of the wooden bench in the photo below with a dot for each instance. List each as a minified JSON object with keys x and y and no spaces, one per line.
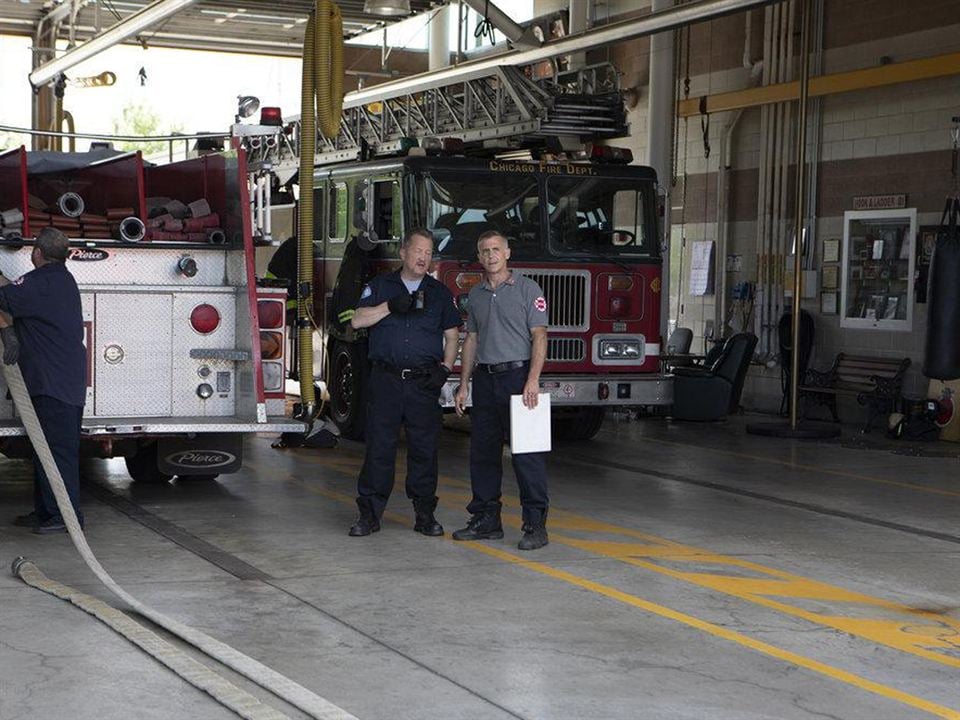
{"x":875,"y":382}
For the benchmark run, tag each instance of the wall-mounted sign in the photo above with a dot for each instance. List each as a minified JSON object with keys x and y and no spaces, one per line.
{"x":880,"y":202}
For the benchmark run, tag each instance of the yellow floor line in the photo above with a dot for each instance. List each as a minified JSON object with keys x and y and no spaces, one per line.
{"x":799,"y":466}
{"x":671,"y":614}
{"x":931,"y":635}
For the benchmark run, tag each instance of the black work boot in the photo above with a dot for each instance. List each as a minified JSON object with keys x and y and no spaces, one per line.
{"x":368,"y":522}
{"x":481,"y":526}
{"x":534,"y":533}
{"x":426,"y":523}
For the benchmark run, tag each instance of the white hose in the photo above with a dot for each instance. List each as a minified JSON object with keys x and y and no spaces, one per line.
{"x":280,"y":685}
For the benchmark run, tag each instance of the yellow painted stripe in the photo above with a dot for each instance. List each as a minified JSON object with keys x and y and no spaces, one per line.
{"x":916,"y":631}
{"x":665,"y":612}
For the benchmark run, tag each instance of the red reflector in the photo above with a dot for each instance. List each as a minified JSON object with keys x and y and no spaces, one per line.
{"x":619,"y":306}
{"x":205,"y":319}
{"x":271,"y":116}
{"x":271,"y":345}
{"x":270,"y":313}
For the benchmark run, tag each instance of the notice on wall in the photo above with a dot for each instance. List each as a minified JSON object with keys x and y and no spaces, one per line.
{"x":701,"y":268}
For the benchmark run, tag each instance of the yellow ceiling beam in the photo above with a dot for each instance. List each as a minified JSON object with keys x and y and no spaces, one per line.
{"x":892,"y":74}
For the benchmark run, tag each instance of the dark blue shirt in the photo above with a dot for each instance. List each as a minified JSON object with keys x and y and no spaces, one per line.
{"x":45,"y":306}
{"x":414,"y":339}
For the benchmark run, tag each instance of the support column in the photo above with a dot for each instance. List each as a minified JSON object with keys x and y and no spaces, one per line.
{"x":440,"y":38}
{"x":661,"y":107}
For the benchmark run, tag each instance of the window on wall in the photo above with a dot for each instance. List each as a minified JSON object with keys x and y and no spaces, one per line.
{"x":337,"y":206}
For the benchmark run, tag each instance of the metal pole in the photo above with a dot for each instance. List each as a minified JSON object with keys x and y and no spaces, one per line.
{"x":801,"y":212}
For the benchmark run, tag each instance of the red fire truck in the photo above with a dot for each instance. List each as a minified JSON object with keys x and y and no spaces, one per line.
{"x":587,"y":232}
{"x":185,"y":353}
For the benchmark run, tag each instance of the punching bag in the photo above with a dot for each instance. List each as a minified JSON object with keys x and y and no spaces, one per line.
{"x":941,"y":358}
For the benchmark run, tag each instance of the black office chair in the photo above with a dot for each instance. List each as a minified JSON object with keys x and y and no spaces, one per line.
{"x":713,"y":391}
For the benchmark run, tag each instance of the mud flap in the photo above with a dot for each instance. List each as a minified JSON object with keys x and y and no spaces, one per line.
{"x":202,"y":454}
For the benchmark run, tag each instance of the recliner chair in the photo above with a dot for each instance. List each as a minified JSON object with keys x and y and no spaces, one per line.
{"x":713,"y":392}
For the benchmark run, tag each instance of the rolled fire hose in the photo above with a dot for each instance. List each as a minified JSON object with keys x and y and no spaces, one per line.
{"x":321,"y":93}
{"x":71,"y":204}
{"x":132,"y":230}
{"x":237,"y":700}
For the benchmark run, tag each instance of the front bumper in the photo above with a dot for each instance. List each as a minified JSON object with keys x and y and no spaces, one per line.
{"x":598,"y":390}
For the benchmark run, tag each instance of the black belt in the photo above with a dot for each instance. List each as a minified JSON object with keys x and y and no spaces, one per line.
{"x":502,"y":367}
{"x":402,"y":373}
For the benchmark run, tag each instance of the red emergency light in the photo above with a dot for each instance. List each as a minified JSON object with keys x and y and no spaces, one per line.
{"x":205,"y":319}
{"x":271,"y":116}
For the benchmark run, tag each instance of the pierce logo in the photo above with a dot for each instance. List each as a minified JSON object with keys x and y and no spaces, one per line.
{"x":88,"y":254}
{"x":200,"y":458}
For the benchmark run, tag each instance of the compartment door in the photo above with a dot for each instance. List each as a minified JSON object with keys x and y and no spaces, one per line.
{"x":134,"y":346}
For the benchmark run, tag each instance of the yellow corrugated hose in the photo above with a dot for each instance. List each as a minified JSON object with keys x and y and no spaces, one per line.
{"x":321,"y":96}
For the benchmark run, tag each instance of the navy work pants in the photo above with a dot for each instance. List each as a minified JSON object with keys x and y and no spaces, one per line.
{"x":61,"y":427}
{"x":489,"y":427}
{"x":392,"y":403}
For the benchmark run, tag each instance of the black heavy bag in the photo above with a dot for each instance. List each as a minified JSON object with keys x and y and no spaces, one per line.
{"x":941,"y":358}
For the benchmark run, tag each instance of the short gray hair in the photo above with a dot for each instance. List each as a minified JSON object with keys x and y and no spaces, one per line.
{"x":491,"y":234}
{"x":53,"y":244}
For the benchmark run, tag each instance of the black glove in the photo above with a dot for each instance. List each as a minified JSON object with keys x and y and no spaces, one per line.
{"x":437,"y":378}
{"x":400,"y":304}
{"x":11,"y":346}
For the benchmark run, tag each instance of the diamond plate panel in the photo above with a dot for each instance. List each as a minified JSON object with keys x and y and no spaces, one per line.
{"x":132,"y":349}
{"x":187,"y":375}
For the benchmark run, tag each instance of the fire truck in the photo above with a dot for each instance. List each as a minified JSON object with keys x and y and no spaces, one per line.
{"x":185,"y":352}
{"x":587,"y":232}
{"x":513,"y":149}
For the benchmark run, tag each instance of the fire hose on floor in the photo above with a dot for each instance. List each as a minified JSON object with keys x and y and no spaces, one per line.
{"x":240,"y":701}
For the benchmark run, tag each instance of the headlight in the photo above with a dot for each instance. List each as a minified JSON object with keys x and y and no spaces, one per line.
{"x":620,"y":349}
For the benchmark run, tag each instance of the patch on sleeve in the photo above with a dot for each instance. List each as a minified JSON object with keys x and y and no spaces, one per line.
{"x":540,"y":304}
{"x":367,"y":292}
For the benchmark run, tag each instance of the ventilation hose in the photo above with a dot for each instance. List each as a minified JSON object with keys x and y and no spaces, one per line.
{"x":321,"y":95}
{"x":281,"y":686}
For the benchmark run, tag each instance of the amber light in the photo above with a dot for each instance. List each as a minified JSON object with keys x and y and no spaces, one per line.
{"x":620,"y":282}
{"x":468,"y":280}
{"x":270,"y":313}
{"x":271,"y":345}
{"x":205,"y":319}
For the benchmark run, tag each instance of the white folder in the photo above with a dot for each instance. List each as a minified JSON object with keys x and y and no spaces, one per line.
{"x":529,"y":428}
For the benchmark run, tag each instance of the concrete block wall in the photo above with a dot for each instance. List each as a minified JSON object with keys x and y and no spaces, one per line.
{"x":877,"y":141}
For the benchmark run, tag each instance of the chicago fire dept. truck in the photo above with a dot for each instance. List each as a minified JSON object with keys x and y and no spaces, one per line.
{"x":587,"y":232}
{"x":185,"y":354}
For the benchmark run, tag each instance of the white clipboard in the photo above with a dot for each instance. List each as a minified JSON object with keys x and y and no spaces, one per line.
{"x":529,"y":428}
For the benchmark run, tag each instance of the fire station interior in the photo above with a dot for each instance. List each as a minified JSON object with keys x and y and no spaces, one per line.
{"x":759,"y":522}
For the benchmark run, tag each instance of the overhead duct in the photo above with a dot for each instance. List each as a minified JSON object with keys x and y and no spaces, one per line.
{"x":146,"y":18}
{"x":666,"y":20}
{"x":505,"y":24}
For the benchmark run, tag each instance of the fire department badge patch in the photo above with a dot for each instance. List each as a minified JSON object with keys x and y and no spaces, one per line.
{"x":367,"y":292}
{"x":540,"y":304}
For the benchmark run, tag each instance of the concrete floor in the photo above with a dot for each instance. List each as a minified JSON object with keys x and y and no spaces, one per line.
{"x":693,"y":572}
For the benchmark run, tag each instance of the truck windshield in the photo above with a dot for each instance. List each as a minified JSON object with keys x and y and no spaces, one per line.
{"x":458,"y":207}
{"x":601,"y":217}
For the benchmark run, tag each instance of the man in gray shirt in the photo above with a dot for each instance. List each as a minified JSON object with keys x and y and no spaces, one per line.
{"x":507,"y":338}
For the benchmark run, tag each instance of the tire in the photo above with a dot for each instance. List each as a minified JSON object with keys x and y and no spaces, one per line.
{"x":198,"y":478}
{"x":142,"y":466}
{"x":579,"y":423}
{"x":348,"y":384}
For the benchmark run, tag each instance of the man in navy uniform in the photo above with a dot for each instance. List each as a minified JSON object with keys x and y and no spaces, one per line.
{"x":507,"y":336}
{"x":413,"y":332}
{"x":44,"y":306}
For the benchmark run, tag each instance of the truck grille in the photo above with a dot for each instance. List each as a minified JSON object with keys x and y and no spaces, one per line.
{"x":564,"y":349}
{"x":568,"y":297}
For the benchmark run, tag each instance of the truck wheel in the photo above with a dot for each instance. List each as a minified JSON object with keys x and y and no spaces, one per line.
{"x":143,"y":466}
{"x":348,"y":381}
{"x":579,"y":423}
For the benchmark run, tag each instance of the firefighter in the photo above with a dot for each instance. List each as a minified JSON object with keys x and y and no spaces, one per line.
{"x":413,"y":332}
{"x":44,"y":307}
{"x":283,"y":266}
{"x":507,"y":336}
